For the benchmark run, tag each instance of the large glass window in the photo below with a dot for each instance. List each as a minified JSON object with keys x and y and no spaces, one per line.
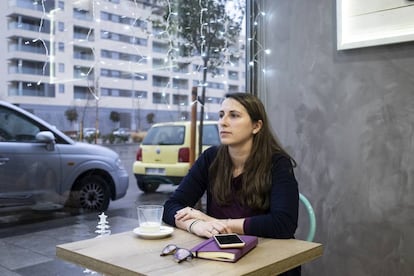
{"x":93,"y":67}
{"x":101,"y":50}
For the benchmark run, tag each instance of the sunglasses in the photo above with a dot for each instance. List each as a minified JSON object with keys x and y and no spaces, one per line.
{"x":180,"y":254}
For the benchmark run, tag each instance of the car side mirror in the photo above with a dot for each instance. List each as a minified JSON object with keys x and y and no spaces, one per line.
{"x":48,"y":138}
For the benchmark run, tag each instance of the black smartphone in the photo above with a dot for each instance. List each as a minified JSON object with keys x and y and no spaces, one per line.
{"x":229,"y":241}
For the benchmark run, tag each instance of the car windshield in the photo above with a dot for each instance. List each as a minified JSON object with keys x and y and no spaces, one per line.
{"x":210,"y":135}
{"x":165,"y":135}
{"x":174,"y":135}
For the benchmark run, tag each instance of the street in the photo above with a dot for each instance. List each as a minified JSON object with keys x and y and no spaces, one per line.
{"x":27,"y":246}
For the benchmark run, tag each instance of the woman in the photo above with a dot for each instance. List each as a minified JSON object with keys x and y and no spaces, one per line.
{"x":249,"y":180}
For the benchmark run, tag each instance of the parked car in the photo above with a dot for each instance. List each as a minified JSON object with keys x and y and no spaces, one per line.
{"x":90,"y":132}
{"x":39,"y":164}
{"x":163,"y":156}
{"x":122,"y":132}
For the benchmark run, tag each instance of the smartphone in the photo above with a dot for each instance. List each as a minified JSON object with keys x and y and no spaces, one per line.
{"x":229,"y":241}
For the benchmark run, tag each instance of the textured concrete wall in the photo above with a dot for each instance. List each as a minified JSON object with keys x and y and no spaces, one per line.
{"x":348,"y":119}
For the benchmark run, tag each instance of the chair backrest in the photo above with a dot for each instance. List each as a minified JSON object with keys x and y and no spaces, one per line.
{"x":311,"y":214}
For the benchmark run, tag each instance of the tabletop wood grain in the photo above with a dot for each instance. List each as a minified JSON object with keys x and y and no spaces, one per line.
{"x":127,"y":254}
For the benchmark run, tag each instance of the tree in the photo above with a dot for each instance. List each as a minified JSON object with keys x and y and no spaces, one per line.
{"x":71,"y":114}
{"x":209,"y":29}
{"x":114,"y":117}
{"x":150,"y":118}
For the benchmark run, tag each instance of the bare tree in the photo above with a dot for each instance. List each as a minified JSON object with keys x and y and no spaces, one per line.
{"x":209,"y":29}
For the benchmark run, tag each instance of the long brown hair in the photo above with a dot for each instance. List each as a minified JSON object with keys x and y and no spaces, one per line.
{"x":256,"y":177}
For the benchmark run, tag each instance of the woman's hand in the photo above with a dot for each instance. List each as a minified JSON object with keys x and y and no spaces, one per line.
{"x":209,"y":228}
{"x":199,"y":223}
{"x":191,"y":213}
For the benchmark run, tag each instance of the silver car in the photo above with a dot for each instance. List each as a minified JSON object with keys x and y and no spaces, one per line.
{"x":40,"y":166}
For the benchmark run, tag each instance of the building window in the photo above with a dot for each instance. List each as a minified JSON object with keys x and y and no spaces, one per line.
{"x":180,"y":100}
{"x":61,"y":47}
{"x":233,"y":75}
{"x":61,"y":67}
{"x":180,"y":83}
{"x":17,"y":88}
{"x":61,"y":5}
{"x":61,"y":26}
{"x":61,"y":88}
{"x":214,"y":100}
{"x":233,"y":88}
{"x":160,"y":98}
{"x":159,"y":81}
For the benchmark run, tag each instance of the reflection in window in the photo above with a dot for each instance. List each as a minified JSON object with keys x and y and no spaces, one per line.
{"x":20,"y":88}
{"x":61,"y":47}
{"x":19,"y":66}
{"x":160,"y":98}
{"x":123,"y":50}
{"x":180,"y":99}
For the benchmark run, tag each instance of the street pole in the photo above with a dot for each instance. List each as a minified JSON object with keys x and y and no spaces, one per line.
{"x":96,"y":109}
{"x":193,"y":124}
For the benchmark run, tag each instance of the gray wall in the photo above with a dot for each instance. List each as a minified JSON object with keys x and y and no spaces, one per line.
{"x":348,"y":119}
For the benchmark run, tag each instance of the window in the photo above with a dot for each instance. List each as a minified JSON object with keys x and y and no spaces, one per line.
{"x":61,"y":88}
{"x":136,"y":59}
{"x":160,"y":98}
{"x":82,"y":33}
{"x":61,"y":67}
{"x":61,"y":47}
{"x":41,"y":90}
{"x":61,"y":27}
{"x":233,"y":88}
{"x":15,"y":128}
{"x":61,"y":5}
{"x":160,"y":81}
{"x":233,"y":75}
{"x":180,"y":99}
{"x":180,"y":83}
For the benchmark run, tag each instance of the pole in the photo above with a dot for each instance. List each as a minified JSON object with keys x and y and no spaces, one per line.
{"x":193,"y":124}
{"x":203,"y":100}
{"x":97,"y":109}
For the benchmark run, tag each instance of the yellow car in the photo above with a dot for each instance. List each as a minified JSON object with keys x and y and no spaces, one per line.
{"x":163,"y":156}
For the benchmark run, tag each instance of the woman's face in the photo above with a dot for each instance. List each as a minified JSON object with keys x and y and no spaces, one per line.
{"x":235,"y":125}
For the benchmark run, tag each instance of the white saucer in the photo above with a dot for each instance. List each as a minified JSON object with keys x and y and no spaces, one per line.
{"x":164,"y":232}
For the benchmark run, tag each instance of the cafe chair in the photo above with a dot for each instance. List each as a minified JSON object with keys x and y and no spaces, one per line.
{"x":311,"y":215}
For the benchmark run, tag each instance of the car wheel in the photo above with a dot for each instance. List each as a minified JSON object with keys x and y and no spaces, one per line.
{"x":148,"y":186}
{"x":91,"y":194}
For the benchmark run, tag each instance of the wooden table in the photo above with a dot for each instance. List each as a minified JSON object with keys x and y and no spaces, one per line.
{"x":127,"y":254}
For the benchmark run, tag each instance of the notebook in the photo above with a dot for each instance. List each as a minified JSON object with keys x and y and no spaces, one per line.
{"x":209,"y":249}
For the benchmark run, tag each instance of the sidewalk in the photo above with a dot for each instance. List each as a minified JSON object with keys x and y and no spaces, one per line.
{"x":35,"y":253}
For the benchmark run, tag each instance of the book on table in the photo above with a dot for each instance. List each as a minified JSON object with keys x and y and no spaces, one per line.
{"x":209,"y":249}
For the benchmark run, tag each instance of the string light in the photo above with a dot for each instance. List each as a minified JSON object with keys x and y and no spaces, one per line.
{"x":259,"y":49}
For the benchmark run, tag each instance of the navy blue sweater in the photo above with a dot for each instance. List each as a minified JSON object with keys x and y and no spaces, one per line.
{"x":279,"y":221}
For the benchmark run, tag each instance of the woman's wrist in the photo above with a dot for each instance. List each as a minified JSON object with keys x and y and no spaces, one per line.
{"x":234,"y":225}
{"x":191,"y":225}
{"x":227,"y":223}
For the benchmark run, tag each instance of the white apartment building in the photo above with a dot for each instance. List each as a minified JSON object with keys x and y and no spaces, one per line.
{"x":100,"y":56}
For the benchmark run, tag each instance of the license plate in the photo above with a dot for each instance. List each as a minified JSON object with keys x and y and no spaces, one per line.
{"x":158,"y":171}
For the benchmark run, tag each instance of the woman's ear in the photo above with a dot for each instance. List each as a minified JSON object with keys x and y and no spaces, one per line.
{"x":257,"y":126}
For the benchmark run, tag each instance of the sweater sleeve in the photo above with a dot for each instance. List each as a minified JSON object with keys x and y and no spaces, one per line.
{"x":191,"y":188}
{"x":282,"y":218}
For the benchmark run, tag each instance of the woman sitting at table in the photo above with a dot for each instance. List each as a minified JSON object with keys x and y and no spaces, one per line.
{"x":249,"y":180}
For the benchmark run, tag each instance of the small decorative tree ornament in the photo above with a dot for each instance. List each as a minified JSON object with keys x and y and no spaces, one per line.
{"x":102,"y":230}
{"x":103,"y":227}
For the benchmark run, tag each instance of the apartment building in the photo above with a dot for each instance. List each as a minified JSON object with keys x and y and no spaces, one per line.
{"x":98,"y":57}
